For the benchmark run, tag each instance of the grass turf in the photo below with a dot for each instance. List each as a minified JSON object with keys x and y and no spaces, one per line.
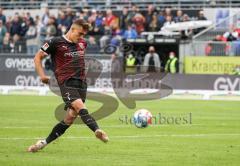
{"x":213,"y":138}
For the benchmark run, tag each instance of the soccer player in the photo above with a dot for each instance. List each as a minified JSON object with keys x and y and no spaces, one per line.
{"x":67,"y":54}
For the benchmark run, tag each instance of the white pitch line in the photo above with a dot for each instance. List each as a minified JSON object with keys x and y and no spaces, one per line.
{"x":112,"y":126}
{"x":132,"y":136}
{"x":115,"y":126}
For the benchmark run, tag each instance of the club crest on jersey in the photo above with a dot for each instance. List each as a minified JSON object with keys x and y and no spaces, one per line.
{"x":81,"y":46}
{"x":45,"y":46}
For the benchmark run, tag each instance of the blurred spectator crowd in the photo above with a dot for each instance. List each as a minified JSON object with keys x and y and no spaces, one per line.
{"x":23,"y":33}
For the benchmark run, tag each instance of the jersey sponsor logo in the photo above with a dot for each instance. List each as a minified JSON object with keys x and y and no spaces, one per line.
{"x":74,"y":54}
{"x":45,"y":46}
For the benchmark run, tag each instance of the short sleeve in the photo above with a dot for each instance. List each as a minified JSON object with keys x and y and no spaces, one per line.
{"x":48,"y":47}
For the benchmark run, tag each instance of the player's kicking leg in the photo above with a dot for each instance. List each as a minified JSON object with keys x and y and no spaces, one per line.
{"x":78,"y":105}
{"x":61,"y":127}
{"x":57,"y":131}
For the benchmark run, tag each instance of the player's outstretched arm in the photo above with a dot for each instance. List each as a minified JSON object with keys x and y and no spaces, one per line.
{"x":40,"y":55}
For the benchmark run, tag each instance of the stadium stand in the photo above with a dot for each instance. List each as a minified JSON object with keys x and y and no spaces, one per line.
{"x":117,"y":4}
{"x":114,"y":23}
{"x":26,"y":25}
{"x":22,"y":28}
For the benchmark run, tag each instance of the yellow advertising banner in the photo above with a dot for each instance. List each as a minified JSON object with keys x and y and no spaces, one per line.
{"x":210,"y":64}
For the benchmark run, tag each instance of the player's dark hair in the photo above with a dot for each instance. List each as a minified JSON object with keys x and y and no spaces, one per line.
{"x":82,"y":23}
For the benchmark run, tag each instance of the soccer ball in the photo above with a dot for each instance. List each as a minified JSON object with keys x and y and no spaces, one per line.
{"x":142,"y":118}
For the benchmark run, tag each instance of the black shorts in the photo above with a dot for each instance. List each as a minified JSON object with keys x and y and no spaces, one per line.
{"x":73,"y":89}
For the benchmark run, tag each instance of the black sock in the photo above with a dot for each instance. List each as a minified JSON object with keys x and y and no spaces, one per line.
{"x":57,"y":131}
{"x":88,"y":120}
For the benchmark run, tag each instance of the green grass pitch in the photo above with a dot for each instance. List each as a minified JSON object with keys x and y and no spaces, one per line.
{"x":212,"y":138}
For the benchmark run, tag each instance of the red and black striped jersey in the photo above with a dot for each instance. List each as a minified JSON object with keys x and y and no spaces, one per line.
{"x":67,"y":57}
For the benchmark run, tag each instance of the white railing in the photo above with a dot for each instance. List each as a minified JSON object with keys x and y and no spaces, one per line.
{"x":214,"y":48}
{"x":223,"y":25}
{"x":210,"y":41}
